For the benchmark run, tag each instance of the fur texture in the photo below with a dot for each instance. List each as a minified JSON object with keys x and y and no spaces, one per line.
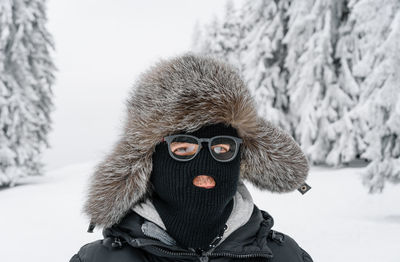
{"x":183,"y":94}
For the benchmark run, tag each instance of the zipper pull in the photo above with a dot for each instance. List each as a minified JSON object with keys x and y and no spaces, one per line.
{"x":215,"y":241}
{"x":203,"y":259}
{"x":218,"y":238}
{"x":201,"y":253}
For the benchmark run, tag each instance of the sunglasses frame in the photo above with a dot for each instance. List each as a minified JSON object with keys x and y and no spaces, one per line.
{"x":168,"y":140}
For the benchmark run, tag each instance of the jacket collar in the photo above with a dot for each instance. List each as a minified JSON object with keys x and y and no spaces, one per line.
{"x":247,"y":237}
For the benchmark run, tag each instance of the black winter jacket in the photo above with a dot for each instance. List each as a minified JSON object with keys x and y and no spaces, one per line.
{"x":254,"y":241}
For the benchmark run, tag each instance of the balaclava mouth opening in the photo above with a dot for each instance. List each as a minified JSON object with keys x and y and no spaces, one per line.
{"x":193,"y":215}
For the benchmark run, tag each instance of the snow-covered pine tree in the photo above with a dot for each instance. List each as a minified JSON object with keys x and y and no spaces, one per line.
{"x":262,"y":55}
{"x":316,"y":98}
{"x":219,"y":39}
{"x":26,"y":77}
{"x":347,"y":143}
{"x":229,"y":36}
{"x":374,"y":64}
{"x":204,"y":40}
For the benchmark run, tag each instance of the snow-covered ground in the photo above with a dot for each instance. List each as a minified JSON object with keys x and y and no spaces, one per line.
{"x":337,"y":220}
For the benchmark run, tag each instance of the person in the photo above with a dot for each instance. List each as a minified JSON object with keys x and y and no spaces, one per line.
{"x":172,"y":189}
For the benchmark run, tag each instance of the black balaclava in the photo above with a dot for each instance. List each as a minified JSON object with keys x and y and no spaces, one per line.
{"x":192,"y":215}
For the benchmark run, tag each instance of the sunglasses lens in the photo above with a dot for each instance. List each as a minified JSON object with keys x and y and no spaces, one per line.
{"x":184,"y":147}
{"x":223,"y":148}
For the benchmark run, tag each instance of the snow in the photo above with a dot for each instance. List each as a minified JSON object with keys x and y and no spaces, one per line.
{"x":337,"y":220}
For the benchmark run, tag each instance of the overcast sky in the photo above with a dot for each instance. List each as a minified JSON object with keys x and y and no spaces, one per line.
{"x":101,"y":47}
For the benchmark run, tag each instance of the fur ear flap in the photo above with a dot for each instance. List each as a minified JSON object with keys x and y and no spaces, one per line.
{"x":119,"y":182}
{"x":272,"y":159}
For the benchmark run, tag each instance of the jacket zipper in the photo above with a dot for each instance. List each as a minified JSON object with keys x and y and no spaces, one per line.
{"x":175,"y":253}
{"x":214,"y":254}
{"x":241,"y":256}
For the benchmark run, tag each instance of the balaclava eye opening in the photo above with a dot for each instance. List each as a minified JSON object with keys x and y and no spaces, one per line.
{"x":192,"y":215}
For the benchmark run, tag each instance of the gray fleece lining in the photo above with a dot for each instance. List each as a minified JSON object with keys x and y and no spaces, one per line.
{"x":152,"y":230}
{"x":242,"y":209}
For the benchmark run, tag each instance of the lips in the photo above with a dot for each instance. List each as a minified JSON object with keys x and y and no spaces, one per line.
{"x":204,"y":181}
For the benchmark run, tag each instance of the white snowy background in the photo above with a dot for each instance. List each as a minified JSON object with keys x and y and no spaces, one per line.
{"x":101,"y":47}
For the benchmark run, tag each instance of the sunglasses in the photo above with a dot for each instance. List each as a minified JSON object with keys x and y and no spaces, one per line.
{"x":186,"y":147}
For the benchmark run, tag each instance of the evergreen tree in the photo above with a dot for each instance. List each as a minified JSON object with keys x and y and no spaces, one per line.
{"x":205,"y":39}
{"x":262,"y":54}
{"x":26,"y":77}
{"x":374,"y":41}
{"x":349,"y":142}
{"x":316,"y":98}
{"x":219,"y":39}
{"x":229,"y":35}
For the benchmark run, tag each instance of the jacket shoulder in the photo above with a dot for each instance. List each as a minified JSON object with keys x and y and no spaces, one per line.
{"x":286,"y":248}
{"x":102,"y":251}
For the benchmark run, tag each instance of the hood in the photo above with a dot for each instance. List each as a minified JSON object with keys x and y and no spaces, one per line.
{"x":248,"y":240}
{"x":183,"y":94}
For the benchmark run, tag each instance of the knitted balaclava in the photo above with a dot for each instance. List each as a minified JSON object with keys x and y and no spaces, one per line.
{"x":193,"y":215}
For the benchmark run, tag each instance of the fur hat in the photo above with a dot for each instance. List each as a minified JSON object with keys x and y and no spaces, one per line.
{"x":183,"y":94}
